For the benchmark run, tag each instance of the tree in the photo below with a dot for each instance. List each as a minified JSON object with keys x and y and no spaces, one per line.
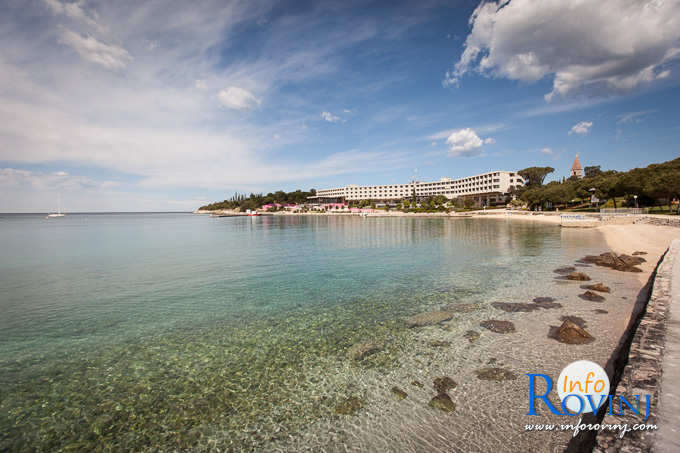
{"x":534,"y":176}
{"x":591,"y":171}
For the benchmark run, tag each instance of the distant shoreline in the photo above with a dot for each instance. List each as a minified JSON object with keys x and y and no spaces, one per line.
{"x":98,"y":212}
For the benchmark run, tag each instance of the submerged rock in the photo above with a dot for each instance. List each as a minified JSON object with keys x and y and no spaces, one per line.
{"x":546,"y":303}
{"x":498,"y":326}
{"x":578,"y":276}
{"x":515,"y":307}
{"x":632,"y":260}
{"x":442,"y":402}
{"x":639,"y":253}
{"x":623,"y":263}
{"x":599,"y":311}
{"x":591,"y":296}
{"x":440,"y":344}
{"x":570,"y":333}
{"x":444,"y":384}
{"x":564,"y":270}
{"x":417,"y":384}
{"x":598,"y":287}
{"x":349,"y":406}
{"x":495,"y":374}
{"x":461,"y":308}
{"x":360,"y":351}
{"x":399,"y":393}
{"x":471,"y":335}
{"x":540,"y":300}
{"x":429,"y":318}
{"x":575,"y":319}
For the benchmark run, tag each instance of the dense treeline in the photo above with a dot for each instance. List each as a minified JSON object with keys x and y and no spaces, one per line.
{"x":656,"y":184}
{"x":255,"y":201}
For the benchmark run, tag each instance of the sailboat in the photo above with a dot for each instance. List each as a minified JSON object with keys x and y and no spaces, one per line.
{"x":58,"y":213}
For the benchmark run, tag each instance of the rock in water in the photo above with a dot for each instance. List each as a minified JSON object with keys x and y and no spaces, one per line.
{"x":498,"y":326}
{"x":361,"y":350}
{"x":540,"y":300}
{"x":461,"y":308}
{"x":598,"y":287}
{"x":442,"y":402}
{"x":349,"y":406}
{"x":471,"y":336}
{"x":444,"y":384}
{"x":570,"y":333}
{"x":639,"y":253}
{"x":591,"y":296}
{"x":417,"y":384}
{"x":495,"y":374}
{"x":440,"y":344}
{"x":575,"y":319}
{"x":632,"y":260}
{"x":564,"y":270}
{"x":546,"y":303}
{"x":579,"y":276}
{"x":623,"y":263}
{"x":399,"y":393}
{"x":514,"y":307}
{"x":429,"y":318}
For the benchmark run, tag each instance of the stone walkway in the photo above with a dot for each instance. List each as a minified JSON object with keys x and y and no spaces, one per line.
{"x":668,"y":439}
{"x":653,"y":368}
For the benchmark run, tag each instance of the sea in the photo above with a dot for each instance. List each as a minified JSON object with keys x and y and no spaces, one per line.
{"x":181,"y":332}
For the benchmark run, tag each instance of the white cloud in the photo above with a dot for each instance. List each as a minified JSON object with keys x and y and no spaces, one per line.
{"x":605,"y":47}
{"x":490,"y":141}
{"x":464,"y":143}
{"x":581,"y":128}
{"x":481,"y":129}
{"x":347,"y":110}
{"x":328,"y":116}
{"x":75,"y":11}
{"x":548,"y":151}
{"x":88,"y":47}
{"x":238,"y":99}
{"x":201,"y":84}
{"x":633,"y":117}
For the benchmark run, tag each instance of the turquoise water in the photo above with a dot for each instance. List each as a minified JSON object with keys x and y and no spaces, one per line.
{"x":175,"y":331}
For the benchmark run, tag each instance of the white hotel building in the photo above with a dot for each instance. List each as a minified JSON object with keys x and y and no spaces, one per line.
{"x":486,"y":189}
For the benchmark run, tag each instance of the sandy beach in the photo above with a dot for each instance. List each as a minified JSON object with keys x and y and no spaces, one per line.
{"x":650,"y":238}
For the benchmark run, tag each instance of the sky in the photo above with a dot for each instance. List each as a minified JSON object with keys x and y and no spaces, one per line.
{"x":150,"y":105}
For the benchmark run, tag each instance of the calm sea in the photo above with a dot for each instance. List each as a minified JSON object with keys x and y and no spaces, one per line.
{"x":135,"y":331}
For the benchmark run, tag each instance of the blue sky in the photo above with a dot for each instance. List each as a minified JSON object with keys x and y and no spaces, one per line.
{"x":166,"y":105}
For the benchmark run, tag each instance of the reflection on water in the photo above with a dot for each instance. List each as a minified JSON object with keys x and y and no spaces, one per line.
{"x":185,"y":331}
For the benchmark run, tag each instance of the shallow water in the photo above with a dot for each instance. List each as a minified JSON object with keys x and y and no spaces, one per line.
{"x":137,"y":331}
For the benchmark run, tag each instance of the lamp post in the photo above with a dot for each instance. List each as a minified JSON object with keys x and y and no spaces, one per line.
{"x":635,"y":196}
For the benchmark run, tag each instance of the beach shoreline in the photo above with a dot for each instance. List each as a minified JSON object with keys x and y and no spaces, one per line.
{"x":439,"y":432}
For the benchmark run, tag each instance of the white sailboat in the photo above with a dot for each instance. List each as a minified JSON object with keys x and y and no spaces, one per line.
{"x":58,"y":213}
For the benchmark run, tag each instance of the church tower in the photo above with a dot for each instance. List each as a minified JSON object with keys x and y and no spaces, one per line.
{"x":576,"y":169}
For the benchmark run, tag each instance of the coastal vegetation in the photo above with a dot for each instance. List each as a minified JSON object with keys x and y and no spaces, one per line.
{"x":654,"y":185}
{"x":255,"y":201}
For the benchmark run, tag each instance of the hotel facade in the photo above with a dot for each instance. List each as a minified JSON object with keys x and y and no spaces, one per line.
{"x":486,"y":189}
